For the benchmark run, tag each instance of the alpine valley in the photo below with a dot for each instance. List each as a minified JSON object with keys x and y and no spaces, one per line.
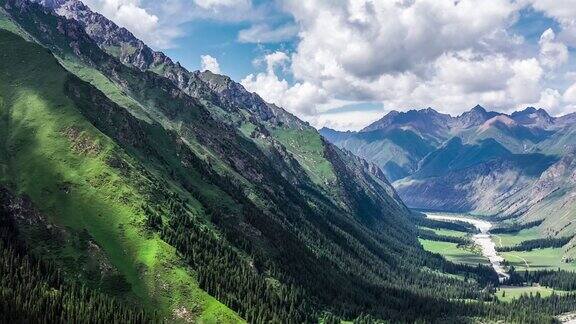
{"x":135,"y":191}
{"x":519,"y":167}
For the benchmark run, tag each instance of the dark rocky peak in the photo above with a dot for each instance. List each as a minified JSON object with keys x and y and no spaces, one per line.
{"x":329,"y":130}
{"x":51,"y":4}
{"x":528,"y":110}
{"x":426,"y":120}
{"x":383,"y":122}
{"x":119,"y":42}
{"x":479,"y":109}
{"x":334,"y":136}
{"x":533,"y":117}
{"x":566,"y":120}
{"x":475,"y":117}
{"x":424,"y":116}
{"x":234,"y":94}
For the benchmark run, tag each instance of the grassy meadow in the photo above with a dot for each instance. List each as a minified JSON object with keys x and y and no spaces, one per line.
{"x":452,"y":252}
{"x":538,"y":259}
{"x":512,"y":239}
{"x":507,"y":294}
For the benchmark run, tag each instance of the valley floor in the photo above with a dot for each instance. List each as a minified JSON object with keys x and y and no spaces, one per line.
{"x":536,"y":259}
{"x":470,"y":253}
{"x":465,"y":254}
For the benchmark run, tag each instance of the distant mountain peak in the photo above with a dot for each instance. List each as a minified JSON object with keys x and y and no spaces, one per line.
{"x":530,"y":110}
{"x":479,"y":108}
{"x":427,"y":122}
{"x":531,"y":116}
{"x":474,"y":117}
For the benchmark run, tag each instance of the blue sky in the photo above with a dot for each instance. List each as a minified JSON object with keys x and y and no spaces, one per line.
{"x":345,"y":63}
{"x":220,"y":40}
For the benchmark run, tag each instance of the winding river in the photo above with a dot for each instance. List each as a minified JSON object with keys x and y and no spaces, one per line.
{"x":482,"y":239}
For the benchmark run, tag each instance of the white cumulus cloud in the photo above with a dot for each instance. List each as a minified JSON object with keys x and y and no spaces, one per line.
{"x":209,"y":63}
{"x":131,"y":15}
{"x":410,"y":54}
{"x":553,"y":54}
{"x":301,"y":98}
{"x":570,"y":94}
{"x":564,"y":12}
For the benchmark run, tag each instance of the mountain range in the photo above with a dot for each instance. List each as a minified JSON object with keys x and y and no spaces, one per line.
{"x":134,"y":190}
{"x":182,"y":197}
{"x":516,"y":166}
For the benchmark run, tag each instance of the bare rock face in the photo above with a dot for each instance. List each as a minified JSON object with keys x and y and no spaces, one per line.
{"x":474,"y":189}
{"x":566,"y":120}
{"x":475,"y":117}
{"x":130,"y":50}
{"x":21,"y":210}
{"x":533,"y":117}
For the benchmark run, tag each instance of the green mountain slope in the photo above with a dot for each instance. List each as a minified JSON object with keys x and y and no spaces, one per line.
{"x":157,"y":201}
{"x":66,"y":167}
{"x":198,"y":200}
{"x":397,"y":152}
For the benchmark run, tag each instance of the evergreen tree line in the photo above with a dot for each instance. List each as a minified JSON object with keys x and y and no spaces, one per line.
{"x":530,"y":308}
{"x":515,"y":228}
{"x":431,"y":235}
{"x":247,"y":285}
{"x":33,"y":291}
{"x":529,"y":245}
{"x":557,"y":279}
{"x":231,"y":278}
{"x":226,"y":275}
{"x":527,"y":309}
{"x":421,"y":220}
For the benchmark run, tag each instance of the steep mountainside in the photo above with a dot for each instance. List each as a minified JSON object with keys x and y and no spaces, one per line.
{"x":465,"y":177}
{"x":397,"y":152}
{"x":266,"y":124}
{"x":533,"y":117}
{"x":196,"y":200}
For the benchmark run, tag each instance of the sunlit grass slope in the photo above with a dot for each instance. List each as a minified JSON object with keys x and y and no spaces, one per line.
{"x":538,"y":259}
{"x":510,"y":293}
{"x":51,"y":154}
{"x":455,"y":253}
